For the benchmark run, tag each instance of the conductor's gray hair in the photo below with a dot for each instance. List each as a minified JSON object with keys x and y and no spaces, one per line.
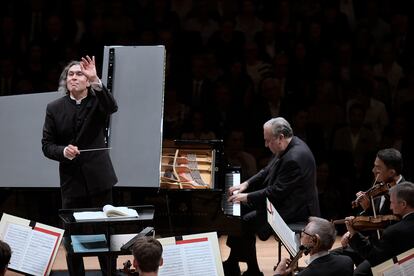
{"x":325,"y":230}
{"x":64,"y":75}
{"x":279,"y":126}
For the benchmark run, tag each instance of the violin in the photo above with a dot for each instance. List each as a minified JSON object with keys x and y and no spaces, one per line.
{"x":366,"y":223}
{"x":376,"y":190}
{"x":294,"y":262}
{"x":128,"y":270}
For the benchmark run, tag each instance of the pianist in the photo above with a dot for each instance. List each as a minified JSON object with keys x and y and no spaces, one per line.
{"x":289,"y":183}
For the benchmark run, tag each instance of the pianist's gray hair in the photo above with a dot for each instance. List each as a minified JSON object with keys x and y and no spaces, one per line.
{"x":325,"y":230}
{"x":279,"y":126}
{"x":64,"y":75}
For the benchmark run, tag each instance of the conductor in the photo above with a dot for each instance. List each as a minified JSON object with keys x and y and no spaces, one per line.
{"x":77,"y":121}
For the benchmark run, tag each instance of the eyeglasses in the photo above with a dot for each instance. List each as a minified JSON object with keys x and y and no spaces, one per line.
{"x":306,"y":233}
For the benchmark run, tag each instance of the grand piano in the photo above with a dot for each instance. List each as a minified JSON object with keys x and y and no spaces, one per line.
{"x":192,"y":197}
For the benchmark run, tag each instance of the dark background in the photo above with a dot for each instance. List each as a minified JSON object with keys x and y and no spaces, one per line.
{"x":327,"y":66}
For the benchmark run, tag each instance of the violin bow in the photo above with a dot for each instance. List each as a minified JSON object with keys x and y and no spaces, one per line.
{"x":373,"y":207}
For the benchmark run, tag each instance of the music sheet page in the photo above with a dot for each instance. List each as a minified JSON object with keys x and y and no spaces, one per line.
{"x":403,"y":267}
{"x":34,"y":245}
{"x":191,"y":256}
{"x":16,"y":237}
{"x":39,"y":250}
{"x":281,"y":229}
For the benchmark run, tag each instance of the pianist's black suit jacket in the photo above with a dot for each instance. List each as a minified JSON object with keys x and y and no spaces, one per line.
{"x":83,"y":126}
{"x":395,"y":240}
{"x":329,"y":265}
{"x":289,"y":181}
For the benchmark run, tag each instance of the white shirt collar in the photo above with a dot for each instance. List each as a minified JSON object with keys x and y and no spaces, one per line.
{"x":77,"y":101}
{"x":317,"y":255}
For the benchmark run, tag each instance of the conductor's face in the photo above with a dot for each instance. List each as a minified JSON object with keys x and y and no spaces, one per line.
{"x":76,"y":82}
{"x":272,"y":142}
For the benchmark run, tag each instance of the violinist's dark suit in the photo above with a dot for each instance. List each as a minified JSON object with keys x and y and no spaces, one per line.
{"x":289,"y":182}
{"x":395,"y":240}
{"x":383,"y":209}
{"x":380,"y":210}
{"x":329,"y":265}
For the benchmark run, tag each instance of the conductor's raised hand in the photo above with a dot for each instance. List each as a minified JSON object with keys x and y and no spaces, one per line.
{"x":88,"y":68}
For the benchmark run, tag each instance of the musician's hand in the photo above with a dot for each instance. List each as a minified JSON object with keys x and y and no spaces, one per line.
{"x":238,"y":197}
{"x":88,"y":68}
{"x":345,"y":239}
{"x":282,"y":267}
{"x":70,"y":152}
{"x":238,"y":188}
{"x":348,"y":224}
{"x":363,"y":200}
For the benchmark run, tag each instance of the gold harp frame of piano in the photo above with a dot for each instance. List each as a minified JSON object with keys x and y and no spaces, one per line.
{"x":187,"y":168}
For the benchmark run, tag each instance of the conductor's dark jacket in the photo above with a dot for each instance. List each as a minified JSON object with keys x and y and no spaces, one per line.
{"x":289,"y":182}
{"x":84,"y":126}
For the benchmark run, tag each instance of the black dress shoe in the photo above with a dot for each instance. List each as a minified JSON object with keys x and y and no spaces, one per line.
{"x":231,"y":269}
{"x":252,"y":273}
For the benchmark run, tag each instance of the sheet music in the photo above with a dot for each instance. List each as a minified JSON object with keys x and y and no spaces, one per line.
{"x":403,"y":267}
{"x":16,"y":237}
{"x":196,"y":256}
{"x":38,"y":253}
{"x":281,"y":229}
{"x":394,"y":271}
{"x":34,"y":249}
{"x":193,"y":255}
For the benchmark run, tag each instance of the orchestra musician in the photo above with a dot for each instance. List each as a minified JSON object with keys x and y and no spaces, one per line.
{"x":5,"y":256}
{"x":387,"y":169}
{"x":147,"y":253}
{"x":318,"y":236}
{"x":395,"y":239}
{"x":288,"y":181}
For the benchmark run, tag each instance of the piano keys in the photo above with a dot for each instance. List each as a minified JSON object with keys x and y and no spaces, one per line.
{"x":232,"y":178}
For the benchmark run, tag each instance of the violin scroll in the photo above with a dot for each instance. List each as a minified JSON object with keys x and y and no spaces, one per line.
{"x":128,"y":270}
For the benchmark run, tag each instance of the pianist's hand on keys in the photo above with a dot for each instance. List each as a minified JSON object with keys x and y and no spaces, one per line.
{"x":236,"y":193}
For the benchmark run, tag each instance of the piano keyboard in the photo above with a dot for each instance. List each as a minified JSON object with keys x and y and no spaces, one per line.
{"x":230,"y":208}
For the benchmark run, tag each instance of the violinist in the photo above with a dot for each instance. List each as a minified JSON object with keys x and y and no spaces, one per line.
{"x":396,"y":238}
{"x":318,"y":236}
{"x":387,"y":169}
{"x":147,"y":253}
